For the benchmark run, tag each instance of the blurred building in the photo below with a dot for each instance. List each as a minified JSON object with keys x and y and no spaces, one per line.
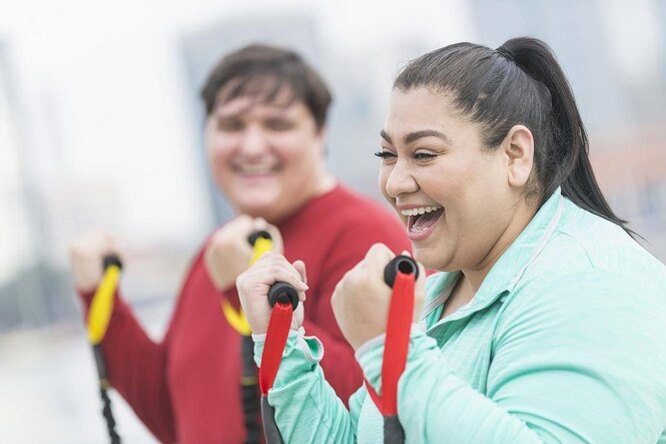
{"x":25,"y":274}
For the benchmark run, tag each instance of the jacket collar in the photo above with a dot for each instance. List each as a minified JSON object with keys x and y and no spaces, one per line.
{"x":509,"y":268}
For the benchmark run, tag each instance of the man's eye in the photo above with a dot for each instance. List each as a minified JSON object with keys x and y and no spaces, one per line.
{"x":279,"y":125}
{"x":229,"y":125}
{"x":385,"y":155}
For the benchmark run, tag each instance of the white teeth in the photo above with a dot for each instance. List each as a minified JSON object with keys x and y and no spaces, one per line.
{"x":419,"y":211}
{"x":255,"y":169}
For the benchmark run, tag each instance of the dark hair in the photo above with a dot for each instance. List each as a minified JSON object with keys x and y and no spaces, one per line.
{"x":264,"y":71}
{"x":520,"y":82}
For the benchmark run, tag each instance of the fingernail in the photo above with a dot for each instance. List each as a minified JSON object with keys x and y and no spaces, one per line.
{"x":406,"y":253}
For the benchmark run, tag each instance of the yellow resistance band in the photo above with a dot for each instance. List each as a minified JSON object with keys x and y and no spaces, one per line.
{"x":236,"y":318}
{"x":102,"y":305}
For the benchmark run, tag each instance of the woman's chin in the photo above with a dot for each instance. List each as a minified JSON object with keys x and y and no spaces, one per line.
{"x":425,"y":260}
{"x":432,"y":261}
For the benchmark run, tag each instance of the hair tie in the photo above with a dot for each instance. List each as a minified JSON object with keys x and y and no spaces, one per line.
{"x":502,"y":51}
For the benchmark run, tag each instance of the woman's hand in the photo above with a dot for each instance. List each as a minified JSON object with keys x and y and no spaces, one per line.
{"x":361,"y":299}
{"x":254,"y":283}
{"x":228,"y":253}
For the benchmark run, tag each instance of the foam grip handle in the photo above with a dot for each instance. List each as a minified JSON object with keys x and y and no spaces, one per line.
{"x":283,"y":293}
{"x":252,"y":238}
{"x":111,"y":259}
{"x":404,"y":264}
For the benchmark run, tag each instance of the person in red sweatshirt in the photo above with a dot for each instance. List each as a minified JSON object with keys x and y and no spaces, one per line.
{"x":265,"y":130}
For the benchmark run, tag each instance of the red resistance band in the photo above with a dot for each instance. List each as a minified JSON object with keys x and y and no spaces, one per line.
{"x":276,"y":339}
{"x":398,"y":328}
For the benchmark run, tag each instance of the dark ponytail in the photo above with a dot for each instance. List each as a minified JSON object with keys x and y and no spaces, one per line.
{"x":573,"y":171}
{"x":519,"y":83}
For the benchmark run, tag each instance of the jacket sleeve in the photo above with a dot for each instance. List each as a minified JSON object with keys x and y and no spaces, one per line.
{"x":578,"y":362}
{"x":307,"y":409}
{"x":136,"y":366}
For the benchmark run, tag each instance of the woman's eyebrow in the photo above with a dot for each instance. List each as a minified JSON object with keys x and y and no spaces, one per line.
{"x":384,"y":135}
{"x":411,"y":137}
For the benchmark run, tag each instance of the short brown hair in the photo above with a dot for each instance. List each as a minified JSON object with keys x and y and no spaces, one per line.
{"x":246,"y":71}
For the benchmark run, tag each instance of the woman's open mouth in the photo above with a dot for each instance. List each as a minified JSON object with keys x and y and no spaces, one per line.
{"x":422,"y":220}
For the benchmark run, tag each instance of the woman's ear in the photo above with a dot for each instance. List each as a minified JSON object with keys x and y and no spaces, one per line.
{"x":518,"y":148}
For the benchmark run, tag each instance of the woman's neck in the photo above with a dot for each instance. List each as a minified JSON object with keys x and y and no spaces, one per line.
{"x":522,"y":217}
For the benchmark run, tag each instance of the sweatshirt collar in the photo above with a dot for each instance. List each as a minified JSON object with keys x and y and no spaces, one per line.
{"x":509,"y":268}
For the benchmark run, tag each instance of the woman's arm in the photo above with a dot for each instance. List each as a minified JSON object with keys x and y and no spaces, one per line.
{"x":307,"y":409}
{"x":578,"y":362}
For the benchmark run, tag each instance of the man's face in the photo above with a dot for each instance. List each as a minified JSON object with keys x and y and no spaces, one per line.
{"x":265,"y":157}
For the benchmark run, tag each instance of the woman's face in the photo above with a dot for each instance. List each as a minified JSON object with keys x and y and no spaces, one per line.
{"x":267,"y":158}
{"x":452,"y":194}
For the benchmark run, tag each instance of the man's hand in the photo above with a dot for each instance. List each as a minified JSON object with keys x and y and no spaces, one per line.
{"x":86,"y":255}
{"x":228,"y":253}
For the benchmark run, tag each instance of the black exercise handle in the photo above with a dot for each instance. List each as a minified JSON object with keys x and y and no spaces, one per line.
{"x":107,"y":261}
{"x":111,"y":259}
{"x":108,"y":416}
{"x":280,"y":291}
{"x":393,"y":431}
{"x":405,"y":264}
{"x":283,"y":293}
{"x":252,"y":238}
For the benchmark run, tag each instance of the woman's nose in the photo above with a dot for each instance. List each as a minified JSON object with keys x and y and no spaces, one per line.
{"x":400,"y":180}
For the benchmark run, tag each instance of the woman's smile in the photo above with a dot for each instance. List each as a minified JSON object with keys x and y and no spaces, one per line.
{"x":421,"y":221}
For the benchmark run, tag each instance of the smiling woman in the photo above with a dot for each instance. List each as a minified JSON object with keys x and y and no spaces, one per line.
{"x":546,"y":321}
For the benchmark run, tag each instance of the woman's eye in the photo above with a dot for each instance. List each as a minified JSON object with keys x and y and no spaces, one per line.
{"x":385,"y":155}
{"x":424,"y":156}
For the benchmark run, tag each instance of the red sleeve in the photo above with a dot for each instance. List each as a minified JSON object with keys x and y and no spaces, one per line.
{"x":137,"y":369}
{"x":339,"y":364}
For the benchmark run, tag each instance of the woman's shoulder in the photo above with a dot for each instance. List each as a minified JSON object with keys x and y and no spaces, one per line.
{"x":592,"y":245}
{"x":592,"y":262}
{"x":577,"y":289}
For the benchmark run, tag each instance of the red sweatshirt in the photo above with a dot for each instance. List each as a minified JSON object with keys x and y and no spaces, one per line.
{"x":186,"y":388}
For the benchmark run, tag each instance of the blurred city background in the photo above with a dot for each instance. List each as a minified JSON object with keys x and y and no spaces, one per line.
{"x":101,"y":126}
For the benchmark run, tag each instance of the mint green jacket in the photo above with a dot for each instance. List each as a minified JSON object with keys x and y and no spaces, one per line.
{"x":565,"y":341}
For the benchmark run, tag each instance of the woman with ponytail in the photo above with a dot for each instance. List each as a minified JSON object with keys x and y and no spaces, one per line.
{"x":546,"y":322}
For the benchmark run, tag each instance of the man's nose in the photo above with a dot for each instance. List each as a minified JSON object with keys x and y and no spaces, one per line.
{"x":254,"y":141}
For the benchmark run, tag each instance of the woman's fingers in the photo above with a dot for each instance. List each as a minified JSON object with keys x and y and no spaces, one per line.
{"x":254,"y":284}
{"x":300,"y":267}
{"x":271,"y":268}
